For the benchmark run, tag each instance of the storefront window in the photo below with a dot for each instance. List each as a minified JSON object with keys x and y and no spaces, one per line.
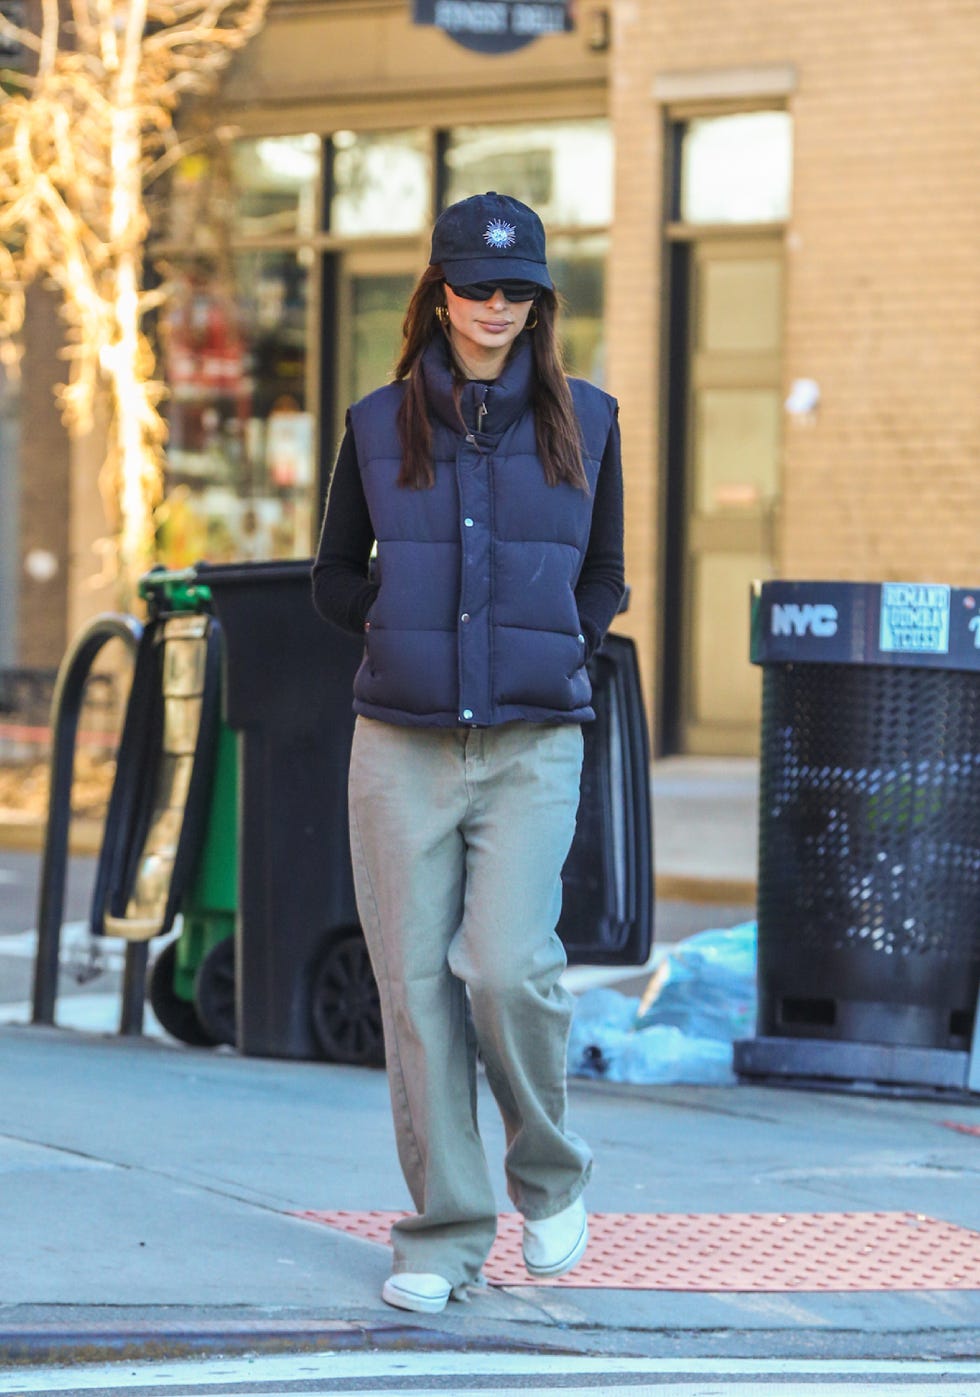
{"x":381,"y":182}
{"x":737,"y":169}
{"x":240,"y":455}
{"x":275,"y":180}
{"x":238,"y":332}
{"x":563,"y":169}
{"x":196,"y":209}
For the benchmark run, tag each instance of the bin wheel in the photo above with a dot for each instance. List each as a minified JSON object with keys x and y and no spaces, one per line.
{"x":346,"y":1008}
{"x":178,"y":1016}
{"x":214,"y":992}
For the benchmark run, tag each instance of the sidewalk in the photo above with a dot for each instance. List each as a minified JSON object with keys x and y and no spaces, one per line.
{"x":153,"y":1197}
{"x":705,"y":828}
{"x":159,"y":1199}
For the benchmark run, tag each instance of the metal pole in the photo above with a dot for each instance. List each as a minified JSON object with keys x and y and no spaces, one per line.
{"x":133,"y":988}
{"x":65,"y":711}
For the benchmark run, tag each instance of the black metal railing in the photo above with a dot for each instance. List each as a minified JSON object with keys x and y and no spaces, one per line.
{"x":66,"y":707}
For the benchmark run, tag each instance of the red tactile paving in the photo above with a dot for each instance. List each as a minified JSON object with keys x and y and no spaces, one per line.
{"x":736,"y":1251}
{"x":963,"y":1129}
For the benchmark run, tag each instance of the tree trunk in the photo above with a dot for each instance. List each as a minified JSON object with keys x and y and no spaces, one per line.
{"x":134,"y":463}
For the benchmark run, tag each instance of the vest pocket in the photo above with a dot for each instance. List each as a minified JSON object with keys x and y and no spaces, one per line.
{"x":540,"y":669}
{"x":408,"y":671}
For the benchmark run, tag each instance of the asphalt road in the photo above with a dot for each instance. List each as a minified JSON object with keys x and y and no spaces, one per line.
{"x":18,"y":889}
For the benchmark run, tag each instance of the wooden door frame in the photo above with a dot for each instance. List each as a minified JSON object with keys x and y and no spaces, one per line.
{"x":338,"y":265}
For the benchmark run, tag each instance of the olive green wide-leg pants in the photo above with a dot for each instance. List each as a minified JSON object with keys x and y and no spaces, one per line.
{"x":458,"y":839}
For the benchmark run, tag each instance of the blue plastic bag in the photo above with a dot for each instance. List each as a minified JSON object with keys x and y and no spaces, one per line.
{"x":603,"y":1022}
{"x":706,"y":985}
{"x":699,"y":1000}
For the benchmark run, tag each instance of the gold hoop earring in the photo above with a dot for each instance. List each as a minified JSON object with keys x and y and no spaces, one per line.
{"x":442,"y":314}
{"x":530,"y":324}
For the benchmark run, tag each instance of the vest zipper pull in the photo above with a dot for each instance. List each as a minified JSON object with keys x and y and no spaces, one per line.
{"x":481,"y":412}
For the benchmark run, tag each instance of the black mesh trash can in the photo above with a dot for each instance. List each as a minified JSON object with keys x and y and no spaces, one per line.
{"x":303,"y":983}
{"x":869,"y":835}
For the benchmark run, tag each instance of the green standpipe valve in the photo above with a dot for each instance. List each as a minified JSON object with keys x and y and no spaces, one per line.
{"x":178,"y":590}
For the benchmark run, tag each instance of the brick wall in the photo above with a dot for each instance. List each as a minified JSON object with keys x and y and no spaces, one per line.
{"x":883,"y":277}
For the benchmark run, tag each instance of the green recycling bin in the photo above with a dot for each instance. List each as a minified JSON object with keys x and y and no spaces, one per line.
{"x":192,"y":981}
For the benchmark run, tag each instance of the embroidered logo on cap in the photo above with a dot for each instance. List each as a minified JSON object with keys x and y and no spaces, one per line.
{"x":500,"y":234}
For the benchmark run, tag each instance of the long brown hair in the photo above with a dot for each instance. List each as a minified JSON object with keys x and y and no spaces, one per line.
{"x":556,"y":430}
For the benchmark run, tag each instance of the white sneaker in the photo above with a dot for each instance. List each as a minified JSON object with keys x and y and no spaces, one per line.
{"x":417,"y":1290}
{"x":554,"y":1245}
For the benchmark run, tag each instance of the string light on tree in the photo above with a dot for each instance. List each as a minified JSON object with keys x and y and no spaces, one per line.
{"x":83,"y":135}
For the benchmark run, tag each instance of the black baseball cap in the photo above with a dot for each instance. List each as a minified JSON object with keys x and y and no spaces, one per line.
{"x":490,"y":237}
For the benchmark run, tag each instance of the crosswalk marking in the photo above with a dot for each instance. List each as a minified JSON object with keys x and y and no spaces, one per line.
{"x":601,"y":1387}
{"x":22,"y":945}
{"x":423,"y":1373}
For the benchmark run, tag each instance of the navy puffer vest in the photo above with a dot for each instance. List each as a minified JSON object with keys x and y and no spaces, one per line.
{"x":475,"y":621}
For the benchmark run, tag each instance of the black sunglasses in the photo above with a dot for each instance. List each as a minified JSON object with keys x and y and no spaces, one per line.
{"x":484,"y":290}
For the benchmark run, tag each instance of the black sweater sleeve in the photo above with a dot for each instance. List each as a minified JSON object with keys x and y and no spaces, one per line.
{"x":342,"y":591}
{"x":602,"y":582}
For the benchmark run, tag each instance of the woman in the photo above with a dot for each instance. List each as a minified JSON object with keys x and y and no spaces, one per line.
{"x":492,"y":486}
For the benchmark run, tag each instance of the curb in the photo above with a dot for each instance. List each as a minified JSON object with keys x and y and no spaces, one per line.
{"x":691,"y":887}
{"x":28,"y":836}
{"x":159,"y":1339}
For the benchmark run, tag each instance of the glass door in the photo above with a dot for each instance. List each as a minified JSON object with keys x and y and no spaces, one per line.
{"x":373,"y":290}
{"x":732,"y":481}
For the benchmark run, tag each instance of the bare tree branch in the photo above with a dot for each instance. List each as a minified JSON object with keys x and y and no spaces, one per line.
{"x":85,"y":31}
{"x":17,"y":35}
{"x":50,"y":21}
{"x":79,"y":141}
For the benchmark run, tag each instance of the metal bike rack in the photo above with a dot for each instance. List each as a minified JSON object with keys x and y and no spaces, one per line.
{"x":65,"y":711}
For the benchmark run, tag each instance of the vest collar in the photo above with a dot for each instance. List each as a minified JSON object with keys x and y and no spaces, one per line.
{"x":504,"y":399}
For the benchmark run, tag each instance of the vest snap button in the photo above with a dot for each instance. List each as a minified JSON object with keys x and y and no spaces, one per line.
{"x":467,"y":713}
{"x":465,"y":616}
{"x":468,"y":523}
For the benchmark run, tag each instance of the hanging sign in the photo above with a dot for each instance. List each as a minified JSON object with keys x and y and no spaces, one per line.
{"x":495,"y":26}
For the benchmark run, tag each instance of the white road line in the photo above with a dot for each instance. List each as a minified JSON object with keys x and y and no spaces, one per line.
{"x":86,"y":1013}
{"x":95,"y":1011}
{"x":738,"y":1377}
{"x":76,"y":941}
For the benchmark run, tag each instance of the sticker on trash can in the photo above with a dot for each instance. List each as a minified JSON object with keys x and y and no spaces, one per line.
{"x":914,"y":618}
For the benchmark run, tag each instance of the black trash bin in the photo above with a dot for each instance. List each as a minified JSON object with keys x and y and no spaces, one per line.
{"x":869,"y":836}
{"x":287,"y":691}
{"x":304,"y":985}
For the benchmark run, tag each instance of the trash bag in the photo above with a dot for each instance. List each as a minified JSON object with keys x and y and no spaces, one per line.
{"x":706,"y":985}
{"x":700,"y":998}
{"x":604,"y":1020}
